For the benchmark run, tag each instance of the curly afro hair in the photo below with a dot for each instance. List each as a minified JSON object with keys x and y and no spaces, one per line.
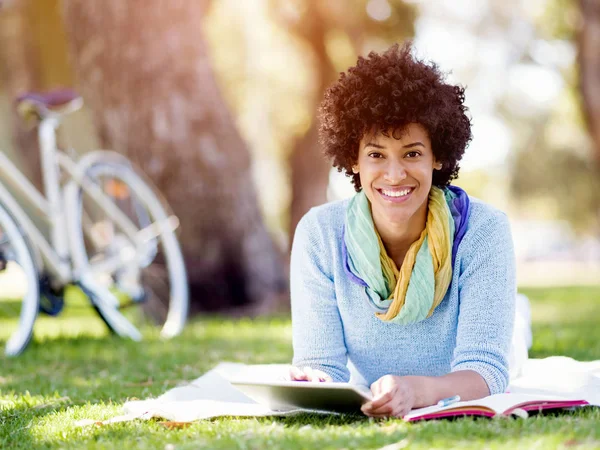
{"x":386,"y":92}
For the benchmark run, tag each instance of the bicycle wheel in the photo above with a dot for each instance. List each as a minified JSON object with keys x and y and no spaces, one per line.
{"x":19,"y":286}
{"x":144,"y":273}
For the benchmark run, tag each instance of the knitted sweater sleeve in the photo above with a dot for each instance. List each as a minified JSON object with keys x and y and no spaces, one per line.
{"x":487,"y":291}
{"x":317,"y":331}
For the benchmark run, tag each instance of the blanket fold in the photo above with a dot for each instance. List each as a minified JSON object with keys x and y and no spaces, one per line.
{"x":211,"y":395}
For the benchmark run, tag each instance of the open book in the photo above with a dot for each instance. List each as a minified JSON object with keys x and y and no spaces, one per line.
{"x":499,"y":404}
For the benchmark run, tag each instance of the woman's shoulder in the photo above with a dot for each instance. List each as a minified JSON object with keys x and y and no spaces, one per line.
{"x":482,"y":213}
{"x":326,"y":219}
{"x":319,"y":234}
{"x":486,"y":223}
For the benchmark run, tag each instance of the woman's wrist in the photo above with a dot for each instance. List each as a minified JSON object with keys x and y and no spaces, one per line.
{"x":428,"y":391}
{"x":422,"y":388}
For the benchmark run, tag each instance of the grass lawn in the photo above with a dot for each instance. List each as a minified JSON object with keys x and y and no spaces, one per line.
{"x":73,"y":370}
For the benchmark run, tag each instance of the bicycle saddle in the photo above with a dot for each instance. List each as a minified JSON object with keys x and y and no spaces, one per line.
{"x":45,"y":104}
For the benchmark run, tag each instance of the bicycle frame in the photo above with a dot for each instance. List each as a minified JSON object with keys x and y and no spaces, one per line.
{"x":55,"y":253}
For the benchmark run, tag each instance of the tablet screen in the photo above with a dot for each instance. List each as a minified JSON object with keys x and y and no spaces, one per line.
{"x":285,"y":395}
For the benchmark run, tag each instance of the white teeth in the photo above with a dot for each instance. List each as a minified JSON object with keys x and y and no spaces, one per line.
{"x":395,"y":193}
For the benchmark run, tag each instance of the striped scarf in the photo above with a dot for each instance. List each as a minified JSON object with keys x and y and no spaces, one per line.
{"x":411,"y":293}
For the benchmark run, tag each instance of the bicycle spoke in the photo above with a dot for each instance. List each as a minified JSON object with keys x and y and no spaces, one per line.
{"x":153,"y":230}
{"x":139,"y":268}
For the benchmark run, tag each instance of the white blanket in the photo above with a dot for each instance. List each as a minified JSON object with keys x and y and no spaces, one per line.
{"x":212,"y":395}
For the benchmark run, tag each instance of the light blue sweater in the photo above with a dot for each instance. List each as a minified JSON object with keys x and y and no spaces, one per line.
{"x":471,"y":329}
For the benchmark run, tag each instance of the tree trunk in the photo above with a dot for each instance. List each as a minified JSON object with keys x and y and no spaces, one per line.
{"x":589,"y":67}
{"x":144,"y":70}
{"x":309,"y":168}
{"x":310,"y":176}
{"x":20,"y":73}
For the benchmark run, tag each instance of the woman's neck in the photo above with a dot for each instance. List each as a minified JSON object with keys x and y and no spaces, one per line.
{"x":398,"y":237}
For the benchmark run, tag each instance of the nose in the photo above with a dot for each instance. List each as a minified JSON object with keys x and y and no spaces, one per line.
{"x":395,"y":172}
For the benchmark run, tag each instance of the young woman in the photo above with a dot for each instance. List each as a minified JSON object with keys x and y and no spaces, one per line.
{"x":411,"y":280}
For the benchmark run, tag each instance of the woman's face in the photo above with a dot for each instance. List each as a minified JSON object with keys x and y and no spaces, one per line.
{"x":396,"y":174}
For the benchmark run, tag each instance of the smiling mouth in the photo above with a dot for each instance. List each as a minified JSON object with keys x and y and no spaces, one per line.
{"x":396,"y":195}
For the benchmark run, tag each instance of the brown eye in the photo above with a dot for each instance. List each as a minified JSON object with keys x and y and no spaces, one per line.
{"x":375,"y":155}
{"x":413,"y":154}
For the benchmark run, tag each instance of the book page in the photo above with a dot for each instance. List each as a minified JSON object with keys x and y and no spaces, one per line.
{"x":499,"y":404}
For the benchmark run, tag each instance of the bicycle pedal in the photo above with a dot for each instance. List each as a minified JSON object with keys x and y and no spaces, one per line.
{"x":51,"y":302}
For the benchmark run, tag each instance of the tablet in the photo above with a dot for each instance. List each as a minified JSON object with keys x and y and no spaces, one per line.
{"x":324,"y":396}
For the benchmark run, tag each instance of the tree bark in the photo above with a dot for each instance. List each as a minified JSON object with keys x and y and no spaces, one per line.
{"x":144,"y":69}
{"x":589,"y":67}
{"x":20,"y":72}
{"x":309,"y":176}
{"x":309,"y":168}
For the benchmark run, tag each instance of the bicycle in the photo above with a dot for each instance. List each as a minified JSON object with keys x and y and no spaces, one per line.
{"x":109,"y":233}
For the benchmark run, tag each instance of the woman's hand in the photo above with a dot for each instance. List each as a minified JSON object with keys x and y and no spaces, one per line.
{"x":392,"y":396}
{"x":307,"y":374}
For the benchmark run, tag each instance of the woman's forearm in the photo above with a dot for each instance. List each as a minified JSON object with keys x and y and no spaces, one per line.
{"x":429,"y":390}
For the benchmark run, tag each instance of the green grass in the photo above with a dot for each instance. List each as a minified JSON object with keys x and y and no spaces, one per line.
{"x":74,"y":370}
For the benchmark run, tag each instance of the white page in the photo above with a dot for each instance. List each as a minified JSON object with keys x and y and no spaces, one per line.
{"x":498,"y":403}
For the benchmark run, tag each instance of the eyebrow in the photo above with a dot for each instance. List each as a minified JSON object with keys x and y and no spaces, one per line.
{"x":414,"y":144}
{"x":411,"y":145}
{"x":371,"y":144}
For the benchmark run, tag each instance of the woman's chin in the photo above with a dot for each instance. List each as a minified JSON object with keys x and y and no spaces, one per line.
{"x":396,"y":217}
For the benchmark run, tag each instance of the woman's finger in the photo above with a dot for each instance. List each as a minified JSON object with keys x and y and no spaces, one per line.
{"x":382,"y":399}
{"x":323,"y":376}
{"x":297,"y":374}
{"x":384,"y":405}
{"x":316,"y":375}
{"x":376,"y":388}
{"x":310,"y":376}
{"x":307,"y":374}
{"x":401,"y":411}
{"x":382,"y":408}
{"x":388,"y":410}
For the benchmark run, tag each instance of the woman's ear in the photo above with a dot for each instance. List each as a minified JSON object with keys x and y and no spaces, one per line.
{"x":354,"y":169}
{"x":438,"y":166}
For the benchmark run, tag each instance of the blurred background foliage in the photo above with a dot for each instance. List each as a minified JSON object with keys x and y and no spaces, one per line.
{"x":535,"y":111}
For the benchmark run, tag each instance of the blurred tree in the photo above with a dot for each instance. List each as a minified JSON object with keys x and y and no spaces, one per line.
{"x":554,"y":166}
{"x":31,"y":61}
{"x":589,"y":67}
{"x":578,"y":21}
{"x":556,"y":181}
{"x":334,"y":32}
{"x":144,"y":69}
{"x":19,"y":72}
